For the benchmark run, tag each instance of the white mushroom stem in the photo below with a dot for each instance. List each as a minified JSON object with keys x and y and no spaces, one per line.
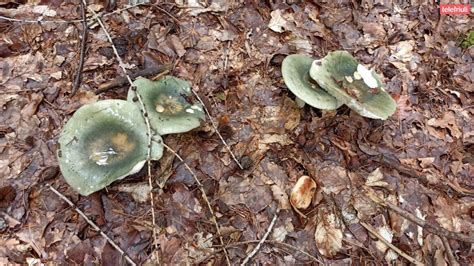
{"x":300,"y":103}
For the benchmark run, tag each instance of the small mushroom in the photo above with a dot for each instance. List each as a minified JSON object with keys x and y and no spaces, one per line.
{"x":295,"y":70}
{"x":103,"y":142}
{"x":302,"y":193}
{"x":353,"y":84}
{"x":169,"y":104}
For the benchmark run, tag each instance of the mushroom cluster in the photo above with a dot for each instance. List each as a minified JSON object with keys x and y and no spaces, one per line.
{"x":335,"y":80}
{"x":107,"y":140}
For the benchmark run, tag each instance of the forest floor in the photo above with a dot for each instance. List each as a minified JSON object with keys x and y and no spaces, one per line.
{"x":420,"y":160}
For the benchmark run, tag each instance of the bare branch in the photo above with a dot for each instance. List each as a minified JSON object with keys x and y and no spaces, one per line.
{"x":255,"y":250}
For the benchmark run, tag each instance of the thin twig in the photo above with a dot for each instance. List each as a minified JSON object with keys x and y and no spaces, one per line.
{"x":147,"y":122}
{"x":204,"y":196}
{"x":393,"y":162}
{"x":25,"y":21}
{"x":373,"y":231}
{"x":169,"y":15}
{"x":437,"y":230}
{"x":77,"y":80}
{"x":217,"y":131}
{"x":120,"y":81}
{"x":449,"y":252}
{"x":257,"y":248}
{"x":273,"y":242}
{"x":91,"y":223}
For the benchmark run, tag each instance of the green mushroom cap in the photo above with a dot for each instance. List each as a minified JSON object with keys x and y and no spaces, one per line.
{"x":169,"y":104}
{"x":103,"y":142}
{"x":353,"y":84}
{"x":295,"y":70}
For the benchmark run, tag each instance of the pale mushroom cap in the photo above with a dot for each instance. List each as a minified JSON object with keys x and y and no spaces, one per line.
{"x":169,"y":103}
{"x":295,"y":70}
{"x":103,"y":142}
{"x":353,"y":84}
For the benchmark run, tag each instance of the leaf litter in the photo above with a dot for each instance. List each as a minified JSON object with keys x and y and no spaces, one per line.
{"x":232,"y":53}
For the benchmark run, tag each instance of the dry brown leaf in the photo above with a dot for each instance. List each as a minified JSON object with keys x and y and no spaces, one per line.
{"x":279,"y":233}
{"x":303,"y":192}
{"x":280,"y":196}
{"x":328,"y":235}
{"x":177,"y":45}
{"x":375,"y":179}
{"x":387,"y":234}
{"x":447,"y":121}
{"x":139,"y":192}
{"x":278,"y":23}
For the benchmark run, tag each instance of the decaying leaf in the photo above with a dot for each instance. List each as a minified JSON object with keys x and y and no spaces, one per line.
{"x":303,"y":192}
{"x":201,"y":247}
{"x":278,"y":23}
{"x":328,"y":235}
{"x":279,"y":233}
{"x":387,"y":234}
{"x":139,"y":192}
{"x":375,"y":179}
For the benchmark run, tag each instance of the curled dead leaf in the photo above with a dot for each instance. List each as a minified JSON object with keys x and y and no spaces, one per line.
{"x":328,"y":235}
{"x":375,"y":179}
{"x":303,"y":192}
{"x":278,"y":23}
{"x":140,"y":192}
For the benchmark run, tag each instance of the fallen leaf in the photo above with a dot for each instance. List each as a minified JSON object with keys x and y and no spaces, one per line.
{"x":277,"y":22}
{"x":139,"y":192}
{"x":387,"y":234}
{"x":447,"y":121}
{"x":202,"y":246}
{"x":402,"y":51}
{"x":279,"y":233}
{"x":280,"y":196}
{"x":328,"y":235}
{"x":177,"y":45}
{"x":375,"y":179}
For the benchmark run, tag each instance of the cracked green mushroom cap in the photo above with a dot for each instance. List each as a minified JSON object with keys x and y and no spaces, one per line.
{"x":103,"y":142}
{"x":353,"y":84}
{"x":169,"y":104}
{"x":295,"y":70}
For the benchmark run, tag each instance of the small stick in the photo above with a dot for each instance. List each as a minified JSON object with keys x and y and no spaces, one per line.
{"x":77,"y":80}
{"x":255,"y":250}
{"x":91,"y":223}
{"x":120,"y":81}
{"x":437,"y":230}
{"x":147,"y":122}
{"x":373,"y":231}
{"x":410,"y":172}
{"x":217,"y":131}
{"x":204,"y":196}
{"x":273,"y":242}
{"x":452,"y":260}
